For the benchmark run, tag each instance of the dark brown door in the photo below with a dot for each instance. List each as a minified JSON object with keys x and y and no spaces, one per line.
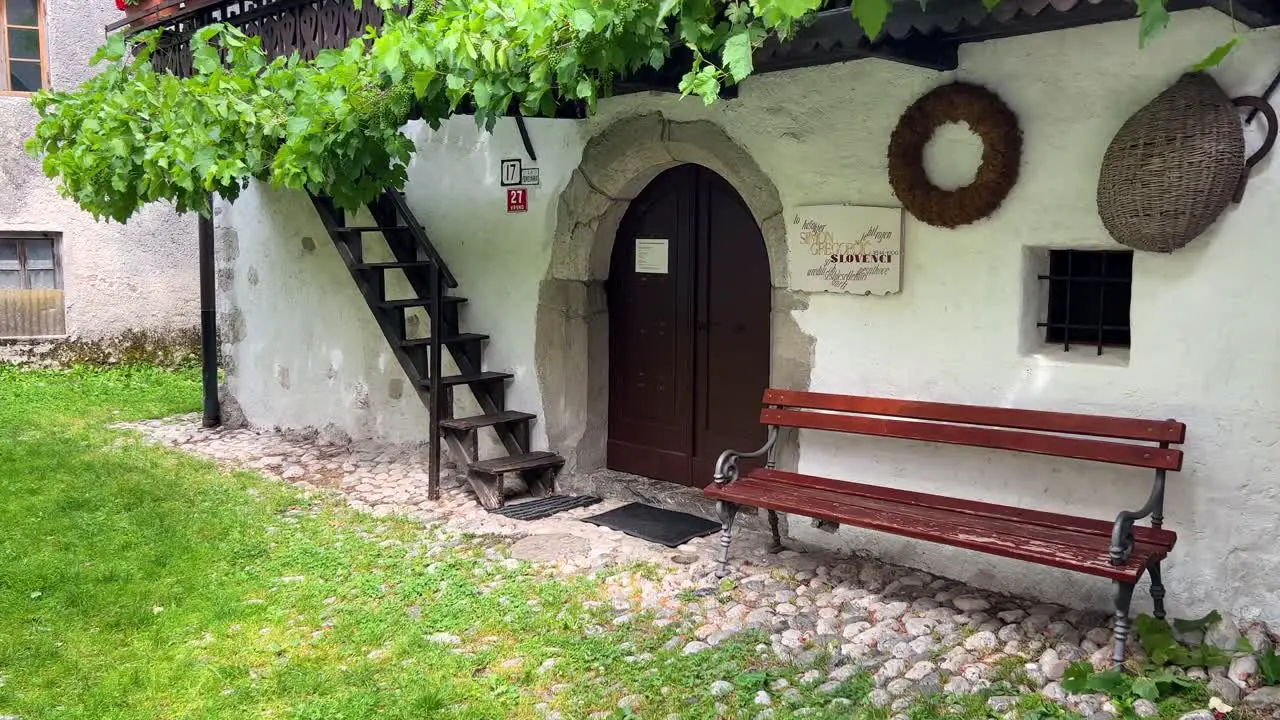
{"x":688,"y":332}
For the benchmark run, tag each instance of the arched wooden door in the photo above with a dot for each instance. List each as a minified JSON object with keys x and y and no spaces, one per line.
{"x":689,"y":305}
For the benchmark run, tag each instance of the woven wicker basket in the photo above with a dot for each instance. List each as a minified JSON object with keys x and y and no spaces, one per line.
{"x":1176,"y":165}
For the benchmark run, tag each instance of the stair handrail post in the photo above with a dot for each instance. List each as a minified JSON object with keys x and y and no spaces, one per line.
{"x":436,"y":288}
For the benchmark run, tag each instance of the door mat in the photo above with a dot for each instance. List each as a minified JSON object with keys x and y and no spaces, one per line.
{"x":545,"y":506}
{"x":666,"y":527}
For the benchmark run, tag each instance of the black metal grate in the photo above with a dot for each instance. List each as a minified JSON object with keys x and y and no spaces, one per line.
{"x":545,"y":507}
{"x":1088,"y":298}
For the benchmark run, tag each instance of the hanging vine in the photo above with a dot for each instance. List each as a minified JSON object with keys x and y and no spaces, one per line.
{"x":132,"y":136}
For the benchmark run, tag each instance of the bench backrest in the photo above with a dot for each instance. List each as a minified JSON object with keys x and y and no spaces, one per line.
{"x":1067,"y":435}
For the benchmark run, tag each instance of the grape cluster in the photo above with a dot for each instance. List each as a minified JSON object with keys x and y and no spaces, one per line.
{"x":556,"y":56}
{"x":372,"y":108}
{"x":400,"y":102}
{"x":424,"y":9}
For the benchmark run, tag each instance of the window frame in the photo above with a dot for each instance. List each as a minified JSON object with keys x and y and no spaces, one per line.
{"x":5,"y":89}
{"x":21,"y":237}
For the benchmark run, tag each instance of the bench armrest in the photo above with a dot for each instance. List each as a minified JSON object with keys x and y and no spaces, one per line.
{"x":727,"y":465}
{"x":1122,"y":533}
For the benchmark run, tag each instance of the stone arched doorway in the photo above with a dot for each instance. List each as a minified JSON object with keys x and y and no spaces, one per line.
{"x":572,"y":341}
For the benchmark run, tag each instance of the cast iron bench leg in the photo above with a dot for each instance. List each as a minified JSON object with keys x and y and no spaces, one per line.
{"x":1157,"y":589}
{"x":727,"y":512}
{"x":1124,"y":596}
{"x":777,"y":546}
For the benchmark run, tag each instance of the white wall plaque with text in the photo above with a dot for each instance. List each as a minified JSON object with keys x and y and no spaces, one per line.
{"x":845,"y":248}
{"x":651,"y":256}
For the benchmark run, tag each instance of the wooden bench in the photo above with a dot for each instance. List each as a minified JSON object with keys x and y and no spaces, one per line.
{"x":1119,"y":551}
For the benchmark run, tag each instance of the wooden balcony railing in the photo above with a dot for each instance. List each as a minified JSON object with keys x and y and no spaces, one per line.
{"x":285,"y":26}
{"x":152,"y":13}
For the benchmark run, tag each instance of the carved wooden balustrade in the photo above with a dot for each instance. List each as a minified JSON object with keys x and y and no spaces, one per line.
{"x":307,"y":26}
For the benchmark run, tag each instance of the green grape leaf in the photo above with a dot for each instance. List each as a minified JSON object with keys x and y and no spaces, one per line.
{"x":1215,"y":58}
{"x":737,"y":55}
{"x":583,"y":21}
{"x":1155,"y":16}
{"x":871,"y":15}
{"x":205,"y":59}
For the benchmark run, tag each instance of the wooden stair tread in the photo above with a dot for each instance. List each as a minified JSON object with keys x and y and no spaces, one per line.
{"x":455,"y":340}
{"x":419,"y":302}
{"x":452,"y":380}
{"x":371,"y":228}
{"x":527,"y":461}
{"x":479,"y":421}
{"x":394,"y":265}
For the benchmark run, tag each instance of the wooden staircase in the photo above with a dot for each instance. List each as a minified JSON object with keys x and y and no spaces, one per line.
{"x":422,"y":358}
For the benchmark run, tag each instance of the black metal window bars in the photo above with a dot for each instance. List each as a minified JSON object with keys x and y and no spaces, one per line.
{"x":1088,"y":298}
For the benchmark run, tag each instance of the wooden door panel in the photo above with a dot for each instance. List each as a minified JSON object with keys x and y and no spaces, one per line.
{"x":732,"y":345}
{"x":650,"y":336}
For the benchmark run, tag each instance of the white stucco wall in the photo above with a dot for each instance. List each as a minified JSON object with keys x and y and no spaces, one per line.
{"x":301,"y":316}
{"x":142,"y":275}
{"x":1203,"y":347}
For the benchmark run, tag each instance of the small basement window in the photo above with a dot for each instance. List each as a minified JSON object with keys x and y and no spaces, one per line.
{"x":31,"y":299}
{"x":1087,"y":299}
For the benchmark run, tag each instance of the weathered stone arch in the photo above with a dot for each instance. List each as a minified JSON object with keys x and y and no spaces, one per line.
{"x":571,"y":344}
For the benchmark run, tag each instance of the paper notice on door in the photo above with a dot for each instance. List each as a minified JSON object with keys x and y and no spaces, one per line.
{"x":651,"y":256}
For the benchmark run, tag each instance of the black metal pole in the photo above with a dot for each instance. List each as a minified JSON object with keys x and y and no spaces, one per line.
{"x":524,"y":136}
{"x":438,"y":391}
{"x":208,"y":324}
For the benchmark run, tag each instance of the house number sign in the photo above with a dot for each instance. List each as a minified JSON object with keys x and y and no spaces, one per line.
{"x":517,"y":200}
{"x":845,"y":249}
{"x":514,"y":172}
{"x":516,"y":179}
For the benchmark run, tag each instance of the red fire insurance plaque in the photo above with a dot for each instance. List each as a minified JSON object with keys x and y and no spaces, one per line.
{"x":517,"y":200}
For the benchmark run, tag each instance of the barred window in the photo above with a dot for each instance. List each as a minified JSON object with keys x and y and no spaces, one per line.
{"x":1089,"y":292}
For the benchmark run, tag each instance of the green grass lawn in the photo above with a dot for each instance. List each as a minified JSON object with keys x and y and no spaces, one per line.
{"x":137,"y":582}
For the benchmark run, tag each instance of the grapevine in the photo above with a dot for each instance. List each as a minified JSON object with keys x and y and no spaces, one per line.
{"x":332,"y":125}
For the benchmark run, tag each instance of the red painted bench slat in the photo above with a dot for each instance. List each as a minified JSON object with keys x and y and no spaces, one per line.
{"x":1170,"y":431}
{"x":961,"y":524}
{"x":1018,"y":440}
{"x":1090,"y":526}
{"x":963,"y":520}
{"x":1080,"y":552}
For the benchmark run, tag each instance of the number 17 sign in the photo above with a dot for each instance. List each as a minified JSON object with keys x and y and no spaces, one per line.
{"x":517,"y":200}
